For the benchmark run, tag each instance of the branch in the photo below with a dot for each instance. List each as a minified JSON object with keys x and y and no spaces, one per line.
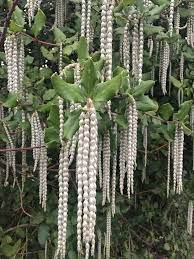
{"x":7,"y":20}
{"x":19,"y":149}
{"x":19,"y":226}
{"x":40,"y":41}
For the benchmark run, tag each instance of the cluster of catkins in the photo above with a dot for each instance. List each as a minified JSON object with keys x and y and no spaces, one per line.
{"x":39,"y":156}
{"x":32,"y":6}
{"x":128,"y":149}
{"x":14,"y":54}
{"x":10,"y":155}
{"x":133,"y":45}
{"x":86,"y":172}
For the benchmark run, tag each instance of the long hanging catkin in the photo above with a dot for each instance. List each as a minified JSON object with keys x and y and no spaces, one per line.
{"x":86,"y":171}
{"x":106,"y":168}
{"x":168,"y":170}
{"x":114,"y":171}
{"x":190,"y":218}
{"x":132,"y":119}
{"x":63,"y":199}
{"x":178,"y":159}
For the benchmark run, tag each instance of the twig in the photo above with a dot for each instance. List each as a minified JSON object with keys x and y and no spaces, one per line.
{"x":19,"y":226}
{"x":20,"y":149}
{"x":39,"y":41}
{"x":7,"y":20}
{"x":21,"y":200}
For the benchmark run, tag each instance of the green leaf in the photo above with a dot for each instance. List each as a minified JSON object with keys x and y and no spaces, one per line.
{"x":53,"y":118}
{"x":9,"y":250}
{"x":106,"y":91}
{"x":69,"y":92}
{"x":146,"y":104}
{"x":82,"y":49}
{"x":143,"y":88}
{"x":46,"y":53}
{"x":89,"y":77}
{"x":49,"y":94}
{"x":185,"y":12}
{"x":175,"y":82}
{"x":186,"y":130}
{"x":128,"y":2}
{"x":156,"y":9}
{"x":51,"y":137}
{"x":39,"y":22}
{"x":121,"y":121}
{"x":38,"y":218}
{"x":17,"y":20}
{"x":151,"y":29}
{"x":72,"y":124}
{"x":59,"y":35}
{"x":184,"y":110}
{"x":166,"y":247}
{"x":43,"y":233}
{"x":166,"y":111}
{"x":11,"y":100}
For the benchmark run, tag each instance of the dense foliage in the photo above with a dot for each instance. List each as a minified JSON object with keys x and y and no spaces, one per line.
{"x":69,"y":81}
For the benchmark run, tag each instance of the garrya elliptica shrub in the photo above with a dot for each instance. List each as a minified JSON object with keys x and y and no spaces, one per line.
{"x":96,"y":106}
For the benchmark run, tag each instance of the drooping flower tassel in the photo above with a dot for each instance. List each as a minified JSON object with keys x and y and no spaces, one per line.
{"x":190,"y":218}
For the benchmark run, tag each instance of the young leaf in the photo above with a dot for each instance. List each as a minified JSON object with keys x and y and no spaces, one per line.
{"x":184,"y":110}
{"x":43,"y":233}
{"x":59,"y":35}
{"x":82,"y":49}
{"x":53,"y":118}
{"x":146,"y":104}
{"x":89,"y":77}
{"x":166,"y":111}
{"x":49,"y":94}
{"x":11,"y":100}
{"x":72,"y":124}
{"x":106,"y":91}
{"x":17,"y":20}
{"x":39,"y":22}
{"x":143,"y":88}
{"x":69,"y":92}
{"x":175,"y":82}
{"x":121,"y":121}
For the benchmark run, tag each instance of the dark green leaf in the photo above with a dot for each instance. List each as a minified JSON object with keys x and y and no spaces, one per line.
{"x":9,"y":251}
{"x":72,"y":124}
{"x":49,"y":94}
{"x":128,"y":2}
{"x":121,"y":121}
{"x":82,"y":49}
{"x":43,"y":233}
{"x":89,"y":77}
{"x":17,"y":21}
{"x":184,"y":110}
{"x":175,"y":82}
{"x":166,"y":111}
{"x":143,"y":88}
{"x":11,"y":100}
{"x":53,"y":119}
{"x":69,"y":92}
{"x":59,"y":35}
{"x":106,"y":91}
{"x":39,"y":22}
{"x":146,"y":104}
